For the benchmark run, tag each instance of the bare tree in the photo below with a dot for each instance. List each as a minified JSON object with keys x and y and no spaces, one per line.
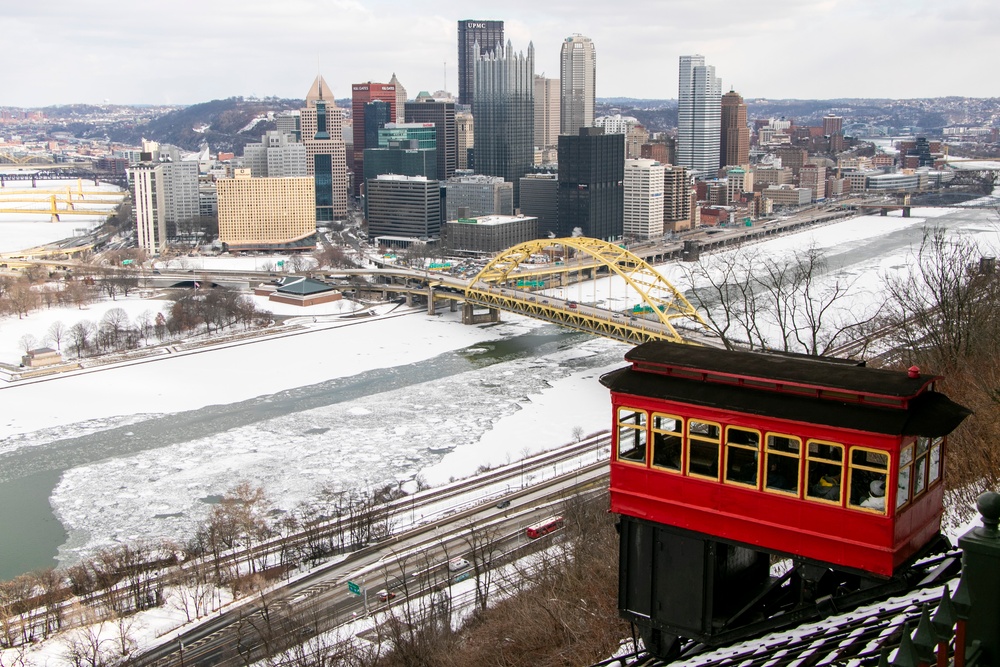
{"x":81,"y":334}
{"x":57,"y":334}
{"x":761,"y":302}
{"x":22,"y":298}
{"x":484,"y":546}
{"x":28,"y":342}
{"x":194,"y":590}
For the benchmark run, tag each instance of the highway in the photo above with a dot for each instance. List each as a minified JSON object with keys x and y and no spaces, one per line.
{"x":411,"y":563}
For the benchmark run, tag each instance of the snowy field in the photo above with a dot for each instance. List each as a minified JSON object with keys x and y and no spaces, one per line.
{"x":412,"y":397}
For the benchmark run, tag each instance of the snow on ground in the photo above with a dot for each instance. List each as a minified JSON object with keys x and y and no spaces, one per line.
{"x":38,"y":323}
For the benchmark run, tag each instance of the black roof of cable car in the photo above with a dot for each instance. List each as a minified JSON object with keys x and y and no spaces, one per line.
{"x":819,"y":372}
{"x":930,"y":414}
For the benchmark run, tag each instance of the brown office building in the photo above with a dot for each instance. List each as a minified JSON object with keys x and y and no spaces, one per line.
{"x":734,"y":150}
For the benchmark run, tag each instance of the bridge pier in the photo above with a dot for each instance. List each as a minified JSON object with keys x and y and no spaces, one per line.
{"x":409,"y":300}
{"x":430,"y":301}
{"x":470,"y":316}
{"x":906,"y":211}
{"x":883,"y":212}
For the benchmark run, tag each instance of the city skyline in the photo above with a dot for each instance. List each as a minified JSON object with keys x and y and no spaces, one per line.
{"x":184,"y":53}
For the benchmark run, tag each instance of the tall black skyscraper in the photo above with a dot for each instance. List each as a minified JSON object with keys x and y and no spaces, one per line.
{"x":376,"y":116}
{"x":442,"y":114}
{"x":591,"y":188}
{"x":504,"y":109}
{"x":470,"y":31}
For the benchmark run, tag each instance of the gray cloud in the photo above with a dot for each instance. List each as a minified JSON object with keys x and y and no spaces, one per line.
{"x":184,"y":51}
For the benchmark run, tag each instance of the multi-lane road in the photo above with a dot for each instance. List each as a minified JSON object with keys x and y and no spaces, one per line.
{"x":481,"y":521}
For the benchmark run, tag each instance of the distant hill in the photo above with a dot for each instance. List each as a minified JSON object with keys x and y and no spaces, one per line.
{"x":226,"y":125}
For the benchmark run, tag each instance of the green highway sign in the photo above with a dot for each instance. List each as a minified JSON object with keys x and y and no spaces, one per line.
{"x":354,"y":588}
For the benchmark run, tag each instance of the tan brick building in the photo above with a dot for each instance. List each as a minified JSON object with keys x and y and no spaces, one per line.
{"x":265,"y":213}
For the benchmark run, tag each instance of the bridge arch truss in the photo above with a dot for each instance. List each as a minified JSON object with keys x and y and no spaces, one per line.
{"x":496,"y":286}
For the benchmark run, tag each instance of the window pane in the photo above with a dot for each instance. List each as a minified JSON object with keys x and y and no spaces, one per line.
{"x":865,"y":457}
{"x":919,"y":470}
{"x":782,"y":473}
{"x":742,"y":456}
{"x":631,"y":435}
{"x":780,"y":443}
{"x":741,"y":437}
{"x":829,"y":452}
{"x":665,"y":423}
{"x":824,"y":480}
{"x":922,"y":445}
{"x":667,"y":451}
{"x":741,"y":466}
{"x":703,"y":430}
{"x":704,"y":459}
{"x":905,"y":455}
{"x":873,"y":495}
{"x":903,"y":487}
{"x":934,"y":470}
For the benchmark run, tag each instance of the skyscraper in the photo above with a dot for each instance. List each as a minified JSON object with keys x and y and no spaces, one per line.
{"x":362,"y":94}
{"x":504,"y":109}
{"x":400,"y":99}
{"x":734,"y":146}
{"x":326,"y":156}
{"x":546,"y":112}
{"x":699,"y":115}
{"x":577,"y":69}
{"x":464,"y":139}
{"x":426,"y":109}
{"x":833,"y":127}
{"x":376,"y":117}
{"x":326,"y":159}
{"x":165,"y":194}
{"x":475,"y":37}
{"x":591,"y":192}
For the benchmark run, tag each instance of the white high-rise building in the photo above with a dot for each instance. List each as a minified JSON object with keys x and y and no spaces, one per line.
{"x":165,"y":194}
{"x":643,"y":214}
{"x":699,"y":115}
{"x":577,"y":73}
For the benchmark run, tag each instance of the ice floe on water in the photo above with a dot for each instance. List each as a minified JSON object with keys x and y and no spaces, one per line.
{"x":383,"y":438}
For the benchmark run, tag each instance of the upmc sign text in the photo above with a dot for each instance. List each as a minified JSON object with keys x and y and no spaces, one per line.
{"x":475,"y":26}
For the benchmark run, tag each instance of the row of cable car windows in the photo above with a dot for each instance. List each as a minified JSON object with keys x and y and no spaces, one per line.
{"x":813,"y":472}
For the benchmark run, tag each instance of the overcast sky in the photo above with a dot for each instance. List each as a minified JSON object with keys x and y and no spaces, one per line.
{"x":182,"y":51}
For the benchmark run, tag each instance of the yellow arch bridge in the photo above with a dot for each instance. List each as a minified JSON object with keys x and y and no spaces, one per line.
{"x":511,"y":281}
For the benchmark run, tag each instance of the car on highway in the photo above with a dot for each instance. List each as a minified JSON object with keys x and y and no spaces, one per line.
{"x":503,"y":504}
{"x":385,"y":595}
{"x":456,"y":564}
{"x":571,"y":304}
